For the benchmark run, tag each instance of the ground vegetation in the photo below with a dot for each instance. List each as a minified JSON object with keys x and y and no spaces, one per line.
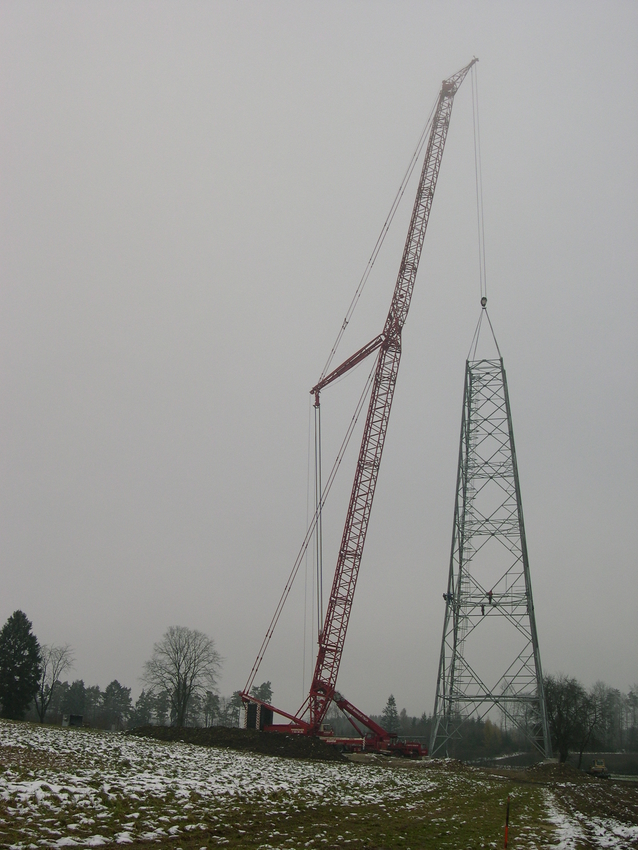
{"x":245,"y":740}
{"x":85,"y":788}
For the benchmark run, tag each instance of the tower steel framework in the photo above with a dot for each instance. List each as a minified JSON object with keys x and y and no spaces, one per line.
{"x":490,"y":659}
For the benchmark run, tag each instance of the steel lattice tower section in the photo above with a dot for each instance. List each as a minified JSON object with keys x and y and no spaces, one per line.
{"x":489,"y":652}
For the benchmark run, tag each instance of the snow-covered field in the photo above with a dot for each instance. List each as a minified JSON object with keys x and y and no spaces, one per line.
{"x":81,"y":788}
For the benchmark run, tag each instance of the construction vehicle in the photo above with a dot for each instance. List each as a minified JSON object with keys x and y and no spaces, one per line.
{"x":599,"y":768}
{"x":370,"y":736}
{"x":309,"y":720}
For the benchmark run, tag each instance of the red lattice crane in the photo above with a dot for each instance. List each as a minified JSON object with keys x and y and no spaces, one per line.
{"x":388,"y":344}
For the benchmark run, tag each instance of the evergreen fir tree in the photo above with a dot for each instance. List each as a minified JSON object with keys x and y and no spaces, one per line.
{"x":19,"y":666}
{"x":116,"y":705}
{"x":390,"y":716}
{"x":210,"y":708}
{"x":262,"y":692}
{"x":144,"y":709}
{"x":75,"y":698}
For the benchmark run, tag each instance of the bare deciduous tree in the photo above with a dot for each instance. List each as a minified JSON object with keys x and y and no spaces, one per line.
{"x":55,"y":661}
{"x":572,"y":714}
{"x":184,"y":663}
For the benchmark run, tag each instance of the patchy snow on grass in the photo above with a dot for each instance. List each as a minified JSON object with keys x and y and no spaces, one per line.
{"x":109,"y":765}
{"x":136,"y":788}
{"x":568,"y":832}
{"x":574,"y":830}
{"x":85,"y":788}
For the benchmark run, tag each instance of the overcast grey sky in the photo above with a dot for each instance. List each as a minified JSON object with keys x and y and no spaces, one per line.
{"x":190,"y":193}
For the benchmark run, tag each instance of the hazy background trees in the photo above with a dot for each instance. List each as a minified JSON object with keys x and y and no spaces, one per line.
{"x":181,"y":690}
{"x":183,"y":664}
{"x":19,"y":666}
{"x":116,"y":705}
{"x":569,"y":713}
{"x":601,"y":719}
{"x":262,"y":692}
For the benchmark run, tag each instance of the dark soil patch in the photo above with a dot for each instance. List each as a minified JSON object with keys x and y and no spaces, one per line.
{"x":246,"y":740}
{"x":542,"y":773}
{"x":556,"y":772}
{"x":600,"y":799}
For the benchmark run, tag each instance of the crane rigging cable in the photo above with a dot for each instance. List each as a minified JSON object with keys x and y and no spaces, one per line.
{"x":380,"y":239}
{"x":471,"y":355}
{"x":311,"y":529}
{"x":478,"y":172}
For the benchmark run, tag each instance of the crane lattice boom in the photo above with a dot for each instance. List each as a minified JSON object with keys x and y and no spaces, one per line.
{"x":388,"y":344}
{"x":333,"y":634}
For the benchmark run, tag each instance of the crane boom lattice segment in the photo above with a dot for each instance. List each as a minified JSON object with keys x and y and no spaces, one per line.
{"x":333,"y":634}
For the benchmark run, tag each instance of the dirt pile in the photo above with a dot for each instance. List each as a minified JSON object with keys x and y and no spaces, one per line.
{"x":544,"y":773}
{"x":551,"y":771}
{"x":246,"y":740}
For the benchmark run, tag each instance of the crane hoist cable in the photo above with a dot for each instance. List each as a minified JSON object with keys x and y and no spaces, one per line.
{"x":480,"y":221}
{"x":478,"y":173}
{"x":310,"y":530}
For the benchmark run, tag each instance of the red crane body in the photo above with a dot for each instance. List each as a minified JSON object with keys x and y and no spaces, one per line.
{"x":388,"y":343}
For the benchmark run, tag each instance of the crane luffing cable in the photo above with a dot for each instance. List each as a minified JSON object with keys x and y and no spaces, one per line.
{"x":380,"y":240}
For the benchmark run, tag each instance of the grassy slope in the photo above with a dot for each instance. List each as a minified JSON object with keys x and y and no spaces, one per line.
{"x":455,"y":806}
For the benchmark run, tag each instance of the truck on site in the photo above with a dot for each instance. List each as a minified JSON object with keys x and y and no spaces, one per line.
{"x":599,"y":768}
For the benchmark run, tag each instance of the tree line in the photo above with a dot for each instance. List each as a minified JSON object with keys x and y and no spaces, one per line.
{"x":180,"y":689}
{"x":180,"y":681}
{"x":113,"y":707}
{"x":598,"y":719}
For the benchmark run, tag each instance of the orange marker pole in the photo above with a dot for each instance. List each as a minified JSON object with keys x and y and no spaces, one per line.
{"x":507,"y":820}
